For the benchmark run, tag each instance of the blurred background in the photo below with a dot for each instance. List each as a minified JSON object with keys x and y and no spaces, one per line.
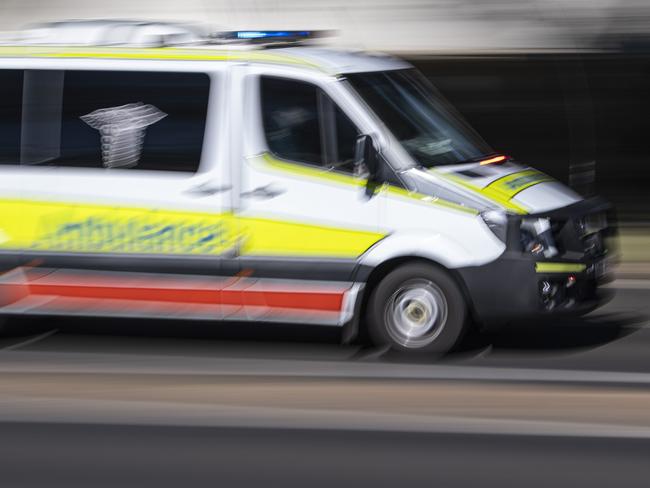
{"x":563,"y":85}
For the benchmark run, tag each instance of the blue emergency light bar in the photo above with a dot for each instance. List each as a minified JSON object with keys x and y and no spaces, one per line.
{"x":270,"y":36}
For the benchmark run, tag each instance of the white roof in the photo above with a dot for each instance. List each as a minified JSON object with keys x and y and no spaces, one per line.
{"x":109,"y":32}
{"x":166,"y":40}
{"x":340,"y":61}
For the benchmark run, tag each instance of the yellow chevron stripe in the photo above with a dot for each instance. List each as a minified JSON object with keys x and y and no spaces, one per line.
{"x":326,"y":175}
{"x":508,"y":186}
{"x":500,"y":193}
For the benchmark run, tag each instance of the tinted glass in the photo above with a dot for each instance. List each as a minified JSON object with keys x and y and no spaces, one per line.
{"x":102,"y":119}
{"x":11,"y":85}
{"x":172,"y":143}
{"x":302,"y":124}
{"x":346,"y":140}
{"x":291,"y":120}
{"x":419,"y":117}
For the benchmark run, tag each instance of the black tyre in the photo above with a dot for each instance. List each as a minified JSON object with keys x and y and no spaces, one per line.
{"x":417,"y":307}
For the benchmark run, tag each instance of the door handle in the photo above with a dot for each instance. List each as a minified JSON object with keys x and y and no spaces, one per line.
{"x":206,"y":189}
{"x":265,"y":192}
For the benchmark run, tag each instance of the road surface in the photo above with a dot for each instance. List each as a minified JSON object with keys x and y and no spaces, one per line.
{"x":135,"y":403}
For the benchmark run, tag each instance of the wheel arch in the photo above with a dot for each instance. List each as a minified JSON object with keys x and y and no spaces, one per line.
{"x":380,"y":271}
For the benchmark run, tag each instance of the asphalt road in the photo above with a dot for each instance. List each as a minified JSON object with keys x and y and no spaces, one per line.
{"x":136,"y":403}
{"x":134,"y":456}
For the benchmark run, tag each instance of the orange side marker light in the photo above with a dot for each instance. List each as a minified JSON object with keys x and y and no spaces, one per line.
{"x":496,"y":159}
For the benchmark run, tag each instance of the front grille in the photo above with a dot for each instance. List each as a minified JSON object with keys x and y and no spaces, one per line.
{"x":582,"y":236}
{"x":558,"y":293}
{"x":594,"y":245}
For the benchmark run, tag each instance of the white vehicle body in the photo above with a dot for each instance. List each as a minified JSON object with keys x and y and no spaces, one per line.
{"x":286,"y":241}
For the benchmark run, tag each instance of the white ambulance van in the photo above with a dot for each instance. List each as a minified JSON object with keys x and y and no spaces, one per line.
{"x":229,"y":181}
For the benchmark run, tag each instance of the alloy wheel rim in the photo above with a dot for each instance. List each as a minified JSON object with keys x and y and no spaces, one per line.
{"x":416,"y":314}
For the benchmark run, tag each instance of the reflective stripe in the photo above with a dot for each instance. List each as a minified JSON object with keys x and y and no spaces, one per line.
{"x":122,"y":293}
{"x":160,"y":53}
{"x":91,"y":228}
{"x":266,"y":237}
{"x":82,"y":227}
{"x":504,"y":189}
{"x":508,"y":186}
{"x":271,"y":299}
{"x":560,"y":267}
{"x":491,"y":193}
{"x":338,"y":177}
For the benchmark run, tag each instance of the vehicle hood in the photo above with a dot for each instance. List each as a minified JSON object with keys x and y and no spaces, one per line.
{"x":513,"y":187}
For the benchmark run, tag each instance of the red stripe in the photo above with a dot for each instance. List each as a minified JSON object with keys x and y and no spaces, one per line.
{"x":325,"y":301}
{"x":283,"y":299}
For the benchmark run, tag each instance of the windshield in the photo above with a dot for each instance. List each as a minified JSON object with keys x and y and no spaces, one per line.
{"x":424,"y":123}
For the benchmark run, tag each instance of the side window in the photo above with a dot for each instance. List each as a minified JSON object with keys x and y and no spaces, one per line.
{"x":291,"y":120}
{"x":103,"y":119}
{"x":346,"y":141}
{"x":144,"y":120}
{"x":11,"y":85}
{"x":303,"y":124}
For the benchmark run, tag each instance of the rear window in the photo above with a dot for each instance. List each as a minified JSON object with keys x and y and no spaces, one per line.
{"x":101,"y":119}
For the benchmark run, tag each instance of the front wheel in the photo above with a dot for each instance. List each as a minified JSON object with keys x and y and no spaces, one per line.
{"x":417,"y":308}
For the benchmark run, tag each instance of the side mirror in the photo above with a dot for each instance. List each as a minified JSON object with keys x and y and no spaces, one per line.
{"x":367,"y":157}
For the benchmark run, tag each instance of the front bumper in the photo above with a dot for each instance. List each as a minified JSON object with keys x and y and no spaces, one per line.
{"x":513,"y":288}
{"x":519,"y":285}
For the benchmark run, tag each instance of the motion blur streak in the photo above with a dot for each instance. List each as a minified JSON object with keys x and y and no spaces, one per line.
{"x":159,"y":175}
{"x":42,"y":290}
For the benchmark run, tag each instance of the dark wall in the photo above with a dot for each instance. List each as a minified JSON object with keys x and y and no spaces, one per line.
{"x":554,"y":111}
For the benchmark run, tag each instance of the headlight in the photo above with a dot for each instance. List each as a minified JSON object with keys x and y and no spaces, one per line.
{"x":537,"y":237}
{"x":497,"y":222}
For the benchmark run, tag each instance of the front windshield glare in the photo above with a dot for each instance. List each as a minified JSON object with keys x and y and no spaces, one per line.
{"x":424,"y":123}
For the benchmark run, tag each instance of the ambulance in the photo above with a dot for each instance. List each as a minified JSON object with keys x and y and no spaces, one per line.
{"x":148,"y":171}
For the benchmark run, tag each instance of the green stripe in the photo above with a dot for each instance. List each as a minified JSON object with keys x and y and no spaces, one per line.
{"x":560,"y":267}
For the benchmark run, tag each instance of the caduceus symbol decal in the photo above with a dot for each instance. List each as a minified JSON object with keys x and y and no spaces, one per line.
{"x":122,"y":130}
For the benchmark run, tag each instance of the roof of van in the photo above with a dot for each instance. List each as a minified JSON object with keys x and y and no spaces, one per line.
{"x":330,"y":61}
